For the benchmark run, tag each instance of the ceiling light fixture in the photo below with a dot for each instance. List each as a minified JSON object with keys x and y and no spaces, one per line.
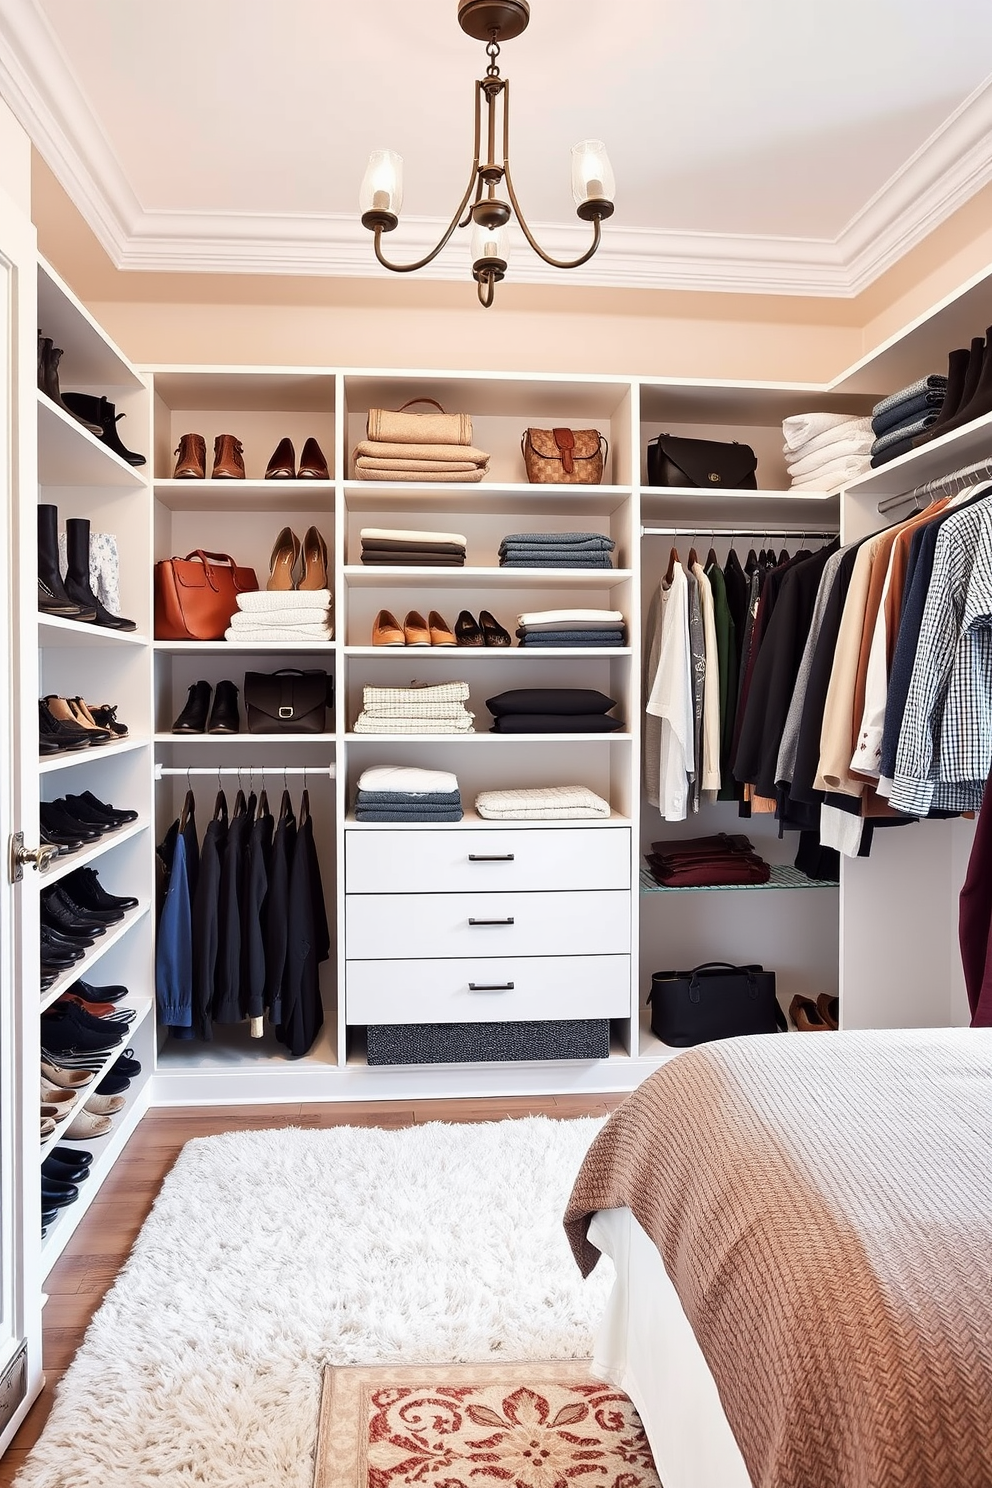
{"x":593,"y":185}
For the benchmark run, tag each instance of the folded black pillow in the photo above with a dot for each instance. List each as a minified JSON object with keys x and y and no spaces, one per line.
{"x":549,"y":700}
{"x":556,"y":723}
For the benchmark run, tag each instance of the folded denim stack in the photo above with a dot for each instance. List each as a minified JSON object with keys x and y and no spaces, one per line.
{"x":398,"y":793}
{"x":556,"y":550}
{"x":552,"y":710}
{"x":898,"y":419}
{"x":551,"y":628}
{"x":396,"y":546}
{"x":420,"y":709}
{"x":542,"y":803}
{"x":826,"y":450}
{"x":701,"y":862}
{"x":282,"y":615}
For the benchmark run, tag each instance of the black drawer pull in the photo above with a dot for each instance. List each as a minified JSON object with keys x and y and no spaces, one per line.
{"x":507,"y":921}
{"x":490,"y":857}
{"x":490,"y":986}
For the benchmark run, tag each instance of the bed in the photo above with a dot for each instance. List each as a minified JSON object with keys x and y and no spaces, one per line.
{"x":802,"y":1229}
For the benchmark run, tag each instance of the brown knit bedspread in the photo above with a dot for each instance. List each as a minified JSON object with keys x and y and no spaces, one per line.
{"x":823,"y":1207}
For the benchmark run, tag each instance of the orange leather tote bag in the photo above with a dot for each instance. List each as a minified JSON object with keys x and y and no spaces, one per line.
{"x":196,"y":596}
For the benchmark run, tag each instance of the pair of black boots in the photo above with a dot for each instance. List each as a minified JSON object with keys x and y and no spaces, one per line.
{"x":224,"y":717}
{"x":969,"y":390}
{"x":98,"y":415}
{"x":71,"y":598}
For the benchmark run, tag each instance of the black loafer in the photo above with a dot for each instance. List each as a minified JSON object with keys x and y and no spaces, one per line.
{"x":493,"y":633}
{"x":467,"y":631}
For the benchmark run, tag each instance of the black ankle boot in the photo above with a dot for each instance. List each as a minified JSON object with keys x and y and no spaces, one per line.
{"x":49,"y":357}
{"x":193,"y":718}
{"x":980,"y":401}
{"x":77,"y":579}
{"x":52,"y":597}
{"x":224,"y":715}
{"x":101,"y":412}
{"x":969,"y":385}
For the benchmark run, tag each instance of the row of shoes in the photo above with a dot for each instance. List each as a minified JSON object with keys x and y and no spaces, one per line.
{"x":62,"y":1171}
{"x":434,"y":631}
{"x":74,"y":914}
{"x":819,"y":1016}
{"x":229,"y":460}
{"x":66,"y":724}
{"x":70,"y":597}
{"x":98,"y":415}
{"x":200,"y":716}
{"x":296,"y":565}
{"x":71,"y":822}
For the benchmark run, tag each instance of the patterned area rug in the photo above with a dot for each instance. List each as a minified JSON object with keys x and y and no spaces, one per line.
{"x":465,"y":1426}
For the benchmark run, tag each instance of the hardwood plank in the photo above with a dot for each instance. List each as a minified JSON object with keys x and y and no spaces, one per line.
{"x":12,"y":1461}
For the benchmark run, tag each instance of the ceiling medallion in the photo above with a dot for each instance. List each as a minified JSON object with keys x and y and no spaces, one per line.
{"x":593,"y":185}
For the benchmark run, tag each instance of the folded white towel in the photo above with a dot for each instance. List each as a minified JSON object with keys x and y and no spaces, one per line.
{"x":571,"y":619}
{"x":364,"y":724}
{"x":541,"y":803}
{"x":396,"y":534}
{"x":276,"y":600}
{"x":281,"y":634}
{"x":407,"y":778}
{"x":801,"y":427}
{"x":840,"y":473}
{"x":293,"y":619}
{"x":437,"y":692}
{"x":415,"y":710}
{"x":854,"y":429}
{"x":829,"y":455}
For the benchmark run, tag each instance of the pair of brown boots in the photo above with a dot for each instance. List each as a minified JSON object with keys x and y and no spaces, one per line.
{"x":191,"y":461}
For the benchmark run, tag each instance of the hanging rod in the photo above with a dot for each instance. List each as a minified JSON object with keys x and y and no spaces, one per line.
{"x":311,"y":770}
{"x":738,"y":532}
{"x":942,"y":485}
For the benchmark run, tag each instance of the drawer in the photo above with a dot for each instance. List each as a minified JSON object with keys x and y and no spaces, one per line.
{"x":486,"y":990}
{"x":407,"y":926}
{"x":454,"y":861}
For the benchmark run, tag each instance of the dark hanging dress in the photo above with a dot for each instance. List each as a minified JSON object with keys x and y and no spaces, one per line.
{"x":178,"y":862}
{"x":256,"y":884}
{"x":309,"y":942}
{"x":227,"y":980}
{"x":206,"y":904}
{"x":277,"y":909}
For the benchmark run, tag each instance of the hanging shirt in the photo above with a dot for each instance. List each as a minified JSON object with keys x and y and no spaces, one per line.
{"x":697,"y":653}
{"x":670,"y":701}
{"x":711,"y":690}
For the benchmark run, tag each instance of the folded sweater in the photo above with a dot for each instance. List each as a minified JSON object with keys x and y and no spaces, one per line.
{"x":570,"y":619}
{"x":272,"y":601}
{"x":541,"y":803}
{"x":936,"y":382}
{"x":799,"y":428}
{"x":402,"y":534}
{"x":364,"y":724}
{"x":407,"y":778}
{"x":556,"y":539}
{"x":424,"y":799}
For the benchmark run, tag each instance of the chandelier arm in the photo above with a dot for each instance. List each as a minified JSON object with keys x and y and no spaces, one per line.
{"x":556,"y":263}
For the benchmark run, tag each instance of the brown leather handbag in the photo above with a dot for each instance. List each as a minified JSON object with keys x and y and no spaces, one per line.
{"x":568,"y":457}
{"x":196,"y":596}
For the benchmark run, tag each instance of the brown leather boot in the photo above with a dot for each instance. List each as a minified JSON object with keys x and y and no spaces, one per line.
{"x":228,"y":458}
{"x":191,"y":462}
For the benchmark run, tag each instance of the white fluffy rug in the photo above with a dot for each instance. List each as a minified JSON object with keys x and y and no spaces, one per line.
{"x":270,"y":1254}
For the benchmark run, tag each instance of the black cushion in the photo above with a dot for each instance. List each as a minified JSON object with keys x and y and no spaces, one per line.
{"x":555,"y":723}
{"x":560,"y":700}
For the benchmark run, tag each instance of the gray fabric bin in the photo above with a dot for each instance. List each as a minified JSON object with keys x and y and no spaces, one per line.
{"x":478,"y":1043}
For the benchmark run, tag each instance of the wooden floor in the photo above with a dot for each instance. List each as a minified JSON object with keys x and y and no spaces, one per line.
{"x":98,"y":1249}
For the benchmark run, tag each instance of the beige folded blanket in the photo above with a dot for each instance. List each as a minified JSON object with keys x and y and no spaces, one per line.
{"x":362,"y":472}
{"x":373,"y":724}
{"x":449,"y":453}
{"x":542,"y":803}
{"x":402,"y":427}
{"x":369,"y":462}
{"x":414,"y":538}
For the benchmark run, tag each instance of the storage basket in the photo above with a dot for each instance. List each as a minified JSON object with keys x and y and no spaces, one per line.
{"x":485,"y":1043}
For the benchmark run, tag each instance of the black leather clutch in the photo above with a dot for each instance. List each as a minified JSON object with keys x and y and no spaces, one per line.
{"x":706,"y":463}
{"x":714,"y":1001}
{"x":289,"y":701}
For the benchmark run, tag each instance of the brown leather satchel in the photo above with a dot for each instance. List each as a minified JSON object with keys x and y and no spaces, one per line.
{"x":196,"y":596}
{"x":564,"y":456}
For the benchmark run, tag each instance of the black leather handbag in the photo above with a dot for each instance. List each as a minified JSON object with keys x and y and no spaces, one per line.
{"x":714,"y":1001}
{"x":706,"y":463}
{"x":289,"y":701}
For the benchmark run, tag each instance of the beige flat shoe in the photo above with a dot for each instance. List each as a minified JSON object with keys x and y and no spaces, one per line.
{"x":66,"y":1079}
{"x":85,"y":1125}
{"x":57,"y":1095}
{"x":415,"y":631}
{"x":439,"y":631}
{"x":47,"y":1126}
{"x":387,"y":630}
{"x":105,"y":1105}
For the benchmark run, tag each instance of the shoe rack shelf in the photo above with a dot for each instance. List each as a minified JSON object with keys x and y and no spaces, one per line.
{"x":491,"y":499}
{"x":142,"y":1007}
{"x":92,"y":851}
{"x":964,"y":446}
{"x":69,"y":455}
{"x":783,"y":876}
{"x":53,"y":763}
{"x":244,"y":495}
{"x":244,"y":648}
{"x":215,"y":741}
{"x":473,"y":655}
{"x":81,"y":969}
{"x":383,"y":576}
{"x":56,"y":631}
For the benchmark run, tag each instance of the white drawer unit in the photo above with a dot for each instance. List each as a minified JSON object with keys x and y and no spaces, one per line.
{"x":483,"y":990}
{"x":398,"y":926}
{"x":451,"y":862}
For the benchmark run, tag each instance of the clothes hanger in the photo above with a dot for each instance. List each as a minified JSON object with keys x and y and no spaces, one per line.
{"x":189,"y":809}
{"x":673,"y":558}
{"x":711,"y":559}
{"x":220,"y":802}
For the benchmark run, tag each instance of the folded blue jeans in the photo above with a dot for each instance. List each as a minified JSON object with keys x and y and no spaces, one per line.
{"x":905,"y":413}
{"x":936,"y":381}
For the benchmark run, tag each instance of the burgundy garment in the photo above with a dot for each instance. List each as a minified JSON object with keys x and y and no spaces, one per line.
{"x":726,"y":872}
{"x":719,"y":842}
{"x":975,"y":918}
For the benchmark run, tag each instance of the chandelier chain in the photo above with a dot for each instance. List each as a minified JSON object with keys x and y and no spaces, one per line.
{"x":492,"y":52}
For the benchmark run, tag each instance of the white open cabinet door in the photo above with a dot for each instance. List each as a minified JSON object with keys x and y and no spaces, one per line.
{"x":20,"y":1188}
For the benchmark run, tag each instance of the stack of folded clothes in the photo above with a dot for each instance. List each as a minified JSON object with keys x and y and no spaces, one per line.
{"x":698,"y":862}
{"x":571,"y":628}
{"x":541,"y":803}
{"x":898,"y":419}
{"x":419,"y":447}
{"x":420,"y":709}
{"x":826,"y":450}
{"x":282,"y":615}
{"x":552,"y":710}
{"x":398,"y":793}
{"x":556,"y":550}
{"x":394,"y":545}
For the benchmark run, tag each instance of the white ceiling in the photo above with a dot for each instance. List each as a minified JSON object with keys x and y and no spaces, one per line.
{"x":757,"y":144}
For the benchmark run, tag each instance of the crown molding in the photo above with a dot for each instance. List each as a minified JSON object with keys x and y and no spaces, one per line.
{"x":38,"y":84}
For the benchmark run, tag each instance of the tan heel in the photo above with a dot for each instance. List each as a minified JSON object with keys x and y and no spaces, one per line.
{"x":285,"y":552}
{"x":314,"y":561}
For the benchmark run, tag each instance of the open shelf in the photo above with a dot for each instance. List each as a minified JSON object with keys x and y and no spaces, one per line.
{"x":963,"y":446}
{"x":784,"y":876}
{"x":93,"y":850}
{"x":244,"y":738}
{"x":91,"y":358}
{"x":53,"y":762}
{"x":54,"y":630}
{"x":142,"y":1008}
{"x":399,"y":576}
{"x":478,"y":652}
{"x":80,"y":970}
{"x":224,"y":648}
{"x":492,"y":498}
{"x":69,"y":455}
{"x":472,"y":819}
{"x":485,"y":735}
{"x":245,"y":495}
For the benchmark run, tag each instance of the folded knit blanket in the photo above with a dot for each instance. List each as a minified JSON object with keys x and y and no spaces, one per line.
{"x":547,"y":559}
{"x":448,"y":454}
{"x":935,"y":383}
{"x":378,"y":725}
{"x":272,"y":601}
{"x":570,"y":619}
{"x":434,"y":477}
{"x":415,"y":710}
{"x":839,"y":449}
{"x":840,"y":473}
{"x":536,"y":639}
{"x":369,"y":462}
{"x":397,"y":814}
{"x":435,"y":692}
{"x":276,"y":619}
{"x":281,"y":633}
{"x":423,"y":799}
{"x":904,"y":431}
{"x":907,"y":412}
{"x":798,"y":428}
{"x":857,"y":429}
{"x":556,"y":539}
{"x":414,"y":538}
{"x":409,"y":778}
{"x":541,"y":803}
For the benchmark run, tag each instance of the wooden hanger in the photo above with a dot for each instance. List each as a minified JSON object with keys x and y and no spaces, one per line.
{"x":673,"y":558}
{"x":220,"y":807}
{"x":711,"y":559}
{"x":692,"y":559}
{"x":189,"y":809}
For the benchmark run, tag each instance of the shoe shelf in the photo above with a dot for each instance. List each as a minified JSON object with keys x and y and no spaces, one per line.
{"x":69,"y":455}
{"x":89,"y":854}
{"x":80,"y":970}
{"x":483,"y":736}
{"x":245,"y":737}
{"x":492,"y":499}
{"x":386,"y":576}
{"x":69,"y":757}
{"x":142,"y":1007}
{"x":54,"y":630}
{"x":965,"y":446}
{"x":95,"y":360}
{"x":461,"y":653}
{"x":245,"y":495}
{"x":247,"y":648}
{"x":784,"y":876}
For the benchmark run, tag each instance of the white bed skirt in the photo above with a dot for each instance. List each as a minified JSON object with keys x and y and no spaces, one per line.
{"x":646,"y":1347}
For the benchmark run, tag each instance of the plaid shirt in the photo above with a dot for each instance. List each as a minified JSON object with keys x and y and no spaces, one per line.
{"x":945,"y":742}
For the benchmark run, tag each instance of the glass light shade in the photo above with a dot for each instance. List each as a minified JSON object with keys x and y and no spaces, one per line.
{"x":592,"y":173}
{"x":489,"y":243}
{"x":382,"y":185}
